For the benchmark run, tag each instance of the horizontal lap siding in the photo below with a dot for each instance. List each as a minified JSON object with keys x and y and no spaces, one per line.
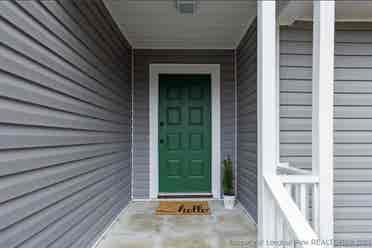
{"x":65,"y":119}
{"x":352,"y":123}
{"x":142,"y":60}
{"x":246,"y":54}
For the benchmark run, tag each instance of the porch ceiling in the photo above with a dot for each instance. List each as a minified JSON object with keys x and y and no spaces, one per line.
{"x":156,"y":24}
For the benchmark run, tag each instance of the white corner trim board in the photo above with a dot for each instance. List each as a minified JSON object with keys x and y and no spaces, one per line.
{"x":214,"y":71}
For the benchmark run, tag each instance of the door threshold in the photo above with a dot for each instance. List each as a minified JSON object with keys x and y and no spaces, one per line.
{"x":184,"y":195}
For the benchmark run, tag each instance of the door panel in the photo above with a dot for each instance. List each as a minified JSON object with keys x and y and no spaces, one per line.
{"x":184,"y":134}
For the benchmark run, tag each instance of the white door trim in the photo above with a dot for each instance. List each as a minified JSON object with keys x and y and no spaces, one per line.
{"x":214,"y":71}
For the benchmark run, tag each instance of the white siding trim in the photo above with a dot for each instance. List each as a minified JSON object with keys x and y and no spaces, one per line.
{"x":236,"y":122}
{"x":214,"y":71}
{"x":132,"y":129}
{"x":322,"y":115}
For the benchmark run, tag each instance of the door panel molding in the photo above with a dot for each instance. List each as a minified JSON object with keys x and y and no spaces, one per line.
{"x":214,"y":71}
{"x":187,"y":133}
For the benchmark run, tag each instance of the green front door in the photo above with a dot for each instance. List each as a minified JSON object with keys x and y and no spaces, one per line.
{"x":184,"y":134}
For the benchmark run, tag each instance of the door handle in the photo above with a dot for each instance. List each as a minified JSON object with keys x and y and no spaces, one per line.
{"x":161,"y":141}
{"x":161,"y":123}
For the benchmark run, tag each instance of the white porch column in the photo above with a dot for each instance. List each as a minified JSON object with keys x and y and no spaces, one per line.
{"x":322,"y":116}
{"x":266,"y":112}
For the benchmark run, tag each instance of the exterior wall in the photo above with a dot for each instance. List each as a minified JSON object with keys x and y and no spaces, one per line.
{"x":295,"y":95}
{"x":64,"y":123}
{"x":142,"y":60}
{"x":353,"y":118}
{"x":246,"y":54}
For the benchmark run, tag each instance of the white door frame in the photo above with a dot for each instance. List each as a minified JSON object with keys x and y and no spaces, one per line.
{"x":214,"y":71}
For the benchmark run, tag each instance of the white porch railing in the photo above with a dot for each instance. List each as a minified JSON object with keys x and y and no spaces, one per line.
{"x":303,"y":188}
{"x":293,"y":195}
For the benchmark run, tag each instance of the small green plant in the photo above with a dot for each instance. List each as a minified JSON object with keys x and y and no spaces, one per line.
{"x":228,"y":187}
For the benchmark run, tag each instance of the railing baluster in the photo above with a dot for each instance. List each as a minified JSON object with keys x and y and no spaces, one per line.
{"x":284,"y":239}
{"x":276,"y":224}
{"x":303,"y":200}
{"x":288,"y":186}
{"x":297,"y":194}
{"x":280,"y":225}
{"x":315,"y":208}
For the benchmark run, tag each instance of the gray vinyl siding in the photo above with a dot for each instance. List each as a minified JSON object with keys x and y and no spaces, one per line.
{"x":246,"y":55}
{"x":352,"y":113}
{"x":295,"y":95}
{"x":142,"y":60}
{"x":65,"y":101}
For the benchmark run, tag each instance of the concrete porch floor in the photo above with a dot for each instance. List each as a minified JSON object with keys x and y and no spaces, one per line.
{"x":139,"y":227}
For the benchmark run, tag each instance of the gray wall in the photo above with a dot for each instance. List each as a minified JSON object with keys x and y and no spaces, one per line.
{"x":246,"y":55}
{"x":353,"y":119}
{"x":64,"y":123}
{"x":142,"y":59}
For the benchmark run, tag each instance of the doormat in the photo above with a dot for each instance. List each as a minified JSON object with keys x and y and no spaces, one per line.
{"x":183,"y":208}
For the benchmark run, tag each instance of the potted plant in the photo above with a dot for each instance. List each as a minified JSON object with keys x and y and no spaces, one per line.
{"x":228,"y":184}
